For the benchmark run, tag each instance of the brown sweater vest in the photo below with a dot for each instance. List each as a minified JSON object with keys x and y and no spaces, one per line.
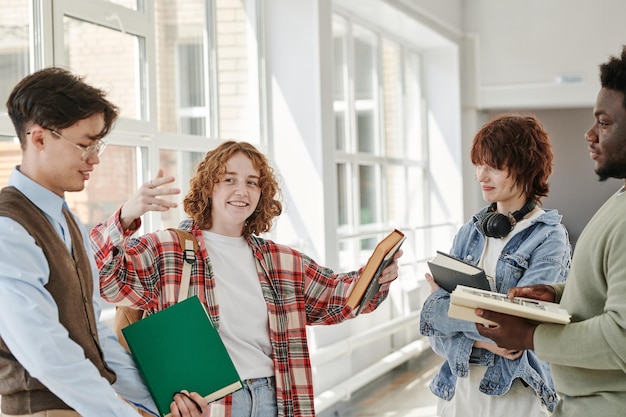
{"x":71,"y":285}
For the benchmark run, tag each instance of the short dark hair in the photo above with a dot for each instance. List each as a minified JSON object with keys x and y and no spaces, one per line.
{"x":55,"y":98}
{"x":519,"y":144}
{"x":613,"y":74}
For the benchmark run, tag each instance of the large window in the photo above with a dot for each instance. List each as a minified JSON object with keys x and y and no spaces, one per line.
{"x":380,"y":144}
{"x":184,"y":75}
{"x":15,"y":28}
{"x":207,"y":68}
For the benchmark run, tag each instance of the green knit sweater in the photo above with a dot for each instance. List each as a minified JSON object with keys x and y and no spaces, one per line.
{"x":588,"y":356}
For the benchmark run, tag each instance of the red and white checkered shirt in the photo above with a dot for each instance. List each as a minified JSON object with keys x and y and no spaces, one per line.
{"x":145,"y":272}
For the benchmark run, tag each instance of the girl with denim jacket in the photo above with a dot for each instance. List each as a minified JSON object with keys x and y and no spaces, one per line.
{"x":517,"y":243}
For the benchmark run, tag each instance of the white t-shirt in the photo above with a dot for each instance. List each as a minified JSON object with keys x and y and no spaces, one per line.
{"x":494,"y":246}
{"x":243,"y":312}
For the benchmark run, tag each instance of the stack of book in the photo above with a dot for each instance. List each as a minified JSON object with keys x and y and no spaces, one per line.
{"x":469,"y":289}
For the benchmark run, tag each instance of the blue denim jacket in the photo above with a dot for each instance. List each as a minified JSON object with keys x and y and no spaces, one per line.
{"x":538,"y":254}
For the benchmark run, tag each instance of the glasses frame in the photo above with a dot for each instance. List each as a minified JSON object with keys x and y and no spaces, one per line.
{"x":95,"y":149}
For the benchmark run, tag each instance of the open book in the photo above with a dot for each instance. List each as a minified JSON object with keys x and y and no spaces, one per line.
{"x":463,"y":301}
{"x":449,"y":272}
{"x":367,"y":286}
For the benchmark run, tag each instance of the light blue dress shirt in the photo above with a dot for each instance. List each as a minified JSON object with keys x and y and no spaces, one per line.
{"x":30,"y":327}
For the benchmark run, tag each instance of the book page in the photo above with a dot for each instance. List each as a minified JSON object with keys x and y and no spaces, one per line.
{"x":472,"y":298}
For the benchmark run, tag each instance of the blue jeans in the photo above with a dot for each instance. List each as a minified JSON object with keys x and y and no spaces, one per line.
{"x":256,"y":399}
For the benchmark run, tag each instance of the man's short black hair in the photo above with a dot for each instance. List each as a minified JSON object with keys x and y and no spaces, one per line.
{"x":55,"y":98}
{"x":613,"y":74}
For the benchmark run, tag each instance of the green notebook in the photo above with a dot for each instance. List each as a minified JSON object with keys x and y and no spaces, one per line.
{"x":179,"y":349}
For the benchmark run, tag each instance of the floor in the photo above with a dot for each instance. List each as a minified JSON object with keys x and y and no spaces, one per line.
{"x":403,"y":392}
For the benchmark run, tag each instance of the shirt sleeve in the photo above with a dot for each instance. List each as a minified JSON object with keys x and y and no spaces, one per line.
{"x":128,"y":268}
{"x":129,"y":383}
{"x":30,"y":328}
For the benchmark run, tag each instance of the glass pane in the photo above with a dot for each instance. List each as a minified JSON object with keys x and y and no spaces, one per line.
{"x":187,"y":71}
{"x":366,"y":130}
{"x":416,"y":196}
{"x":365,"y":87}
{"x":369,"y":192}
{"x":367,"y":246}
{"x":340,"y":75}
{"x":237,"y":75}
{"x":181,"y":165}
{"x":193,"y":111}
{"x":392,"y":96}
{"x":110,"y":59}
{"x":346,"y":258}
{"x":14,"y":45}
{"x":340,"y":130}
{"x":112,"y":182}
{"x":10,"y":156}
{"x":413,"y":112}
{"x":396,"y":199}
{"x":343,"y":195}
{"x":181,"y":73}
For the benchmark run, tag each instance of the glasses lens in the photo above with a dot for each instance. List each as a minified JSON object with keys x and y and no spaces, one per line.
{"x":100,"y":146}
{"x":97,"y":148}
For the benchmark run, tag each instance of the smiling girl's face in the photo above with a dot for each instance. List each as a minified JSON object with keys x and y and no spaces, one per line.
{"x":235,"y":196}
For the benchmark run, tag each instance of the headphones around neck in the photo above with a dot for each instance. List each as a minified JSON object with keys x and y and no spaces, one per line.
{"x":494,"y":224}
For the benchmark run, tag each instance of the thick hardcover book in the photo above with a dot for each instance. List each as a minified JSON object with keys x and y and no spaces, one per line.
{"x":367,"y":285}
{"x":464,"y":300}
{"x":179,"y":349}
{"x":449,"y":272}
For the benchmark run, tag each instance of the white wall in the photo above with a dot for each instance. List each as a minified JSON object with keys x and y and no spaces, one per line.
{"x":516,"y":51}
{"x":542,"y":54}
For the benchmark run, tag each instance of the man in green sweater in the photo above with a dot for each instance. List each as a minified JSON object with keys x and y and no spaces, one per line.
{"x":587,"y":356}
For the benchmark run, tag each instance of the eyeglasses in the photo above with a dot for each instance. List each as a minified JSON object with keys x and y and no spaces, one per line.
{"x":97,"y":148}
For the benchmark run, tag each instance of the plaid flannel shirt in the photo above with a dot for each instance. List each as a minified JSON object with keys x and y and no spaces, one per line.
{"x":145,"y":272}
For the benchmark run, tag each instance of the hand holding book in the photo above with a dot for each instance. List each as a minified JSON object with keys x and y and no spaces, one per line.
{"x":540,"y":292}
{"x":380,"y":269}
{"x":448,"y":272}
{"x":465,"y":300}
{"x":509,"y":332}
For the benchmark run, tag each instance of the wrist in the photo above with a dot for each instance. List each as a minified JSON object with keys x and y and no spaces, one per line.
{"x":126,"y":223}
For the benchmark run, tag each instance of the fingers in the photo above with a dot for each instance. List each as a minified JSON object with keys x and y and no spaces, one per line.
{"x":389,"y":274}
{"x":149,"y":198}
{"x":150,"y":193}
{"x":159,"y":180}
{"x":187,"y":404}
{"x":538,"y":292}
{"x":431,"y":282}
{"x":200,"y":402}
{"x":509,"y":332}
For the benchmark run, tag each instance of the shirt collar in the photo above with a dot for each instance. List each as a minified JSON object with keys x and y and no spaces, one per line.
{"x":47,"y":201}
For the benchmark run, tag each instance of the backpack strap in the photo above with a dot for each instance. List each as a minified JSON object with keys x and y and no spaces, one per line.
{"x":189,"y":244}
{"x":125,"y":316}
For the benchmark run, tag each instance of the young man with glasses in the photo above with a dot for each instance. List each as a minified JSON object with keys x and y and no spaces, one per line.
{"x":56,"y":358}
